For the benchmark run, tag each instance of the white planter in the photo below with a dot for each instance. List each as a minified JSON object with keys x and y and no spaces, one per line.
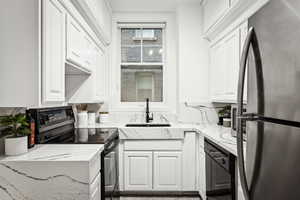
{"x":16,"y":146}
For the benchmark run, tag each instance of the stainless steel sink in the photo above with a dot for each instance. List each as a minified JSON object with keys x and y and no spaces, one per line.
{"x":148,"y":125}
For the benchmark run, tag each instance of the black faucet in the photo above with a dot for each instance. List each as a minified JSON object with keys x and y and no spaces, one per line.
{"x":148,"y":118}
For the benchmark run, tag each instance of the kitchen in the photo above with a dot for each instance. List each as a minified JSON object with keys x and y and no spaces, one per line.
{"x":136,"y":99}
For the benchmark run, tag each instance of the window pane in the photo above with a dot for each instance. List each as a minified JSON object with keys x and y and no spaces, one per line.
{"x":152,"y":54}
{"x":130,"y":46}
{"x":131,"y":54}
{"x":152,"y":45}
{"x":129,"y":35}
{"x":152,"y":37}
{"x":141,"y":82}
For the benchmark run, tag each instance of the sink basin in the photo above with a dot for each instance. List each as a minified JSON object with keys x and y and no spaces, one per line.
{"x":148,"y":125}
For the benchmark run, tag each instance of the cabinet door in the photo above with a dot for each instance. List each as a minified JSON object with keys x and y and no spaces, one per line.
{"x":218,"y":71}
{"x":225,"y":60}
{"x":75,"y":42}
{"x":54,"y":20}
{"x":87,"y":53}
{"x":138,"y":170}
{"x":232,"y":55}
{"x":167,"y":171}
{"x":101,"y":74}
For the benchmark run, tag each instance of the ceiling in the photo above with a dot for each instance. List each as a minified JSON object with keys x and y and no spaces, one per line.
{"x":146,"y":5}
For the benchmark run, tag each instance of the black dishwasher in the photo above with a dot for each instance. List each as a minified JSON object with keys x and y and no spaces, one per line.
{"x":220,"y":172}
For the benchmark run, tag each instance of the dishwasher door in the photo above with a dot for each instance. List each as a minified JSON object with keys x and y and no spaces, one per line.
{"x":219,"y":173}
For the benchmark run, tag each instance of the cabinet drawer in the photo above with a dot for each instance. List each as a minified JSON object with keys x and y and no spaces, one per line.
{"x":153,"y":145}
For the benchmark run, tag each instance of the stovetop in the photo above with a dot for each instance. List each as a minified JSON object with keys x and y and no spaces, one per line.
{"x":86,"y":136}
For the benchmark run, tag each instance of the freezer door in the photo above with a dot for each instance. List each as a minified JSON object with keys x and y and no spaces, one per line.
{"x":277,"y":26}
{"x":277,"y":171}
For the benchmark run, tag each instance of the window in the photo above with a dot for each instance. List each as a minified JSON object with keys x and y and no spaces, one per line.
{"x":141,"y":64}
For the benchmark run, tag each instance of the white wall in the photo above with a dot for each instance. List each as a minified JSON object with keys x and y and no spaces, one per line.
{"x":193,"y":63}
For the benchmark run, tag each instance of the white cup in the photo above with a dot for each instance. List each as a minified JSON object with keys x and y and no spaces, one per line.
{"x":92,"y":119}
{"x":82,"y":119}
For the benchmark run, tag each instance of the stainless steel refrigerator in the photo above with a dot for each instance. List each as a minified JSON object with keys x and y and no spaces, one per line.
{"x":270,"y":166}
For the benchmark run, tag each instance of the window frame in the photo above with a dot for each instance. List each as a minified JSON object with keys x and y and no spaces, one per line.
{"x":156,"y":106}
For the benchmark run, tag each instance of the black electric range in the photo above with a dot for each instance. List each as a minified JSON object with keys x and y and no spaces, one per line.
{"x":56,"y":126}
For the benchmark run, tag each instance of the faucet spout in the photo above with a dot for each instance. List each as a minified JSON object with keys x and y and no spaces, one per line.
{"x":148,"y":118}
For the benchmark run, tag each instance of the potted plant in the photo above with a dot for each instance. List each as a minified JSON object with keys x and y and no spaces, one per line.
{"x":17,"y":131}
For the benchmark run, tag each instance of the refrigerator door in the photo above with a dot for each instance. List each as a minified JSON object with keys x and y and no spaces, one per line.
{"x":277,"y":26}
{"x":276,"y":176}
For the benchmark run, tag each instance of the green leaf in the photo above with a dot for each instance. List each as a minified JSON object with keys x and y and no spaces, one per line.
{"x":17,"y":125}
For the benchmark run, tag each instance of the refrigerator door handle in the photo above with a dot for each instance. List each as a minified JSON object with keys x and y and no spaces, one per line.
{"x":250,"y":40}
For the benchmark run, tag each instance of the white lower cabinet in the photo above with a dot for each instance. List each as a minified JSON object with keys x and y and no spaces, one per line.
{"x":202,"y":174}
{"x":201,"y":167}
{"x":138,"y":170}
{"x":95,"y":189}
{"x":157,"y":171}
{"x":167,"y":171}
{"x":158,"y":164}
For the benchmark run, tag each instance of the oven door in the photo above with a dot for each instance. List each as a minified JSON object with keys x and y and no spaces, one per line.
{"x":110,"y":171}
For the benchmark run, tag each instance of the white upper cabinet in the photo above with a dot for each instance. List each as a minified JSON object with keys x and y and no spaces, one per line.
{"x":74,"y":41}
{"x":87,"y":52}
{"x":98,"y":15}
{"x":218,"y":15}
{"x":224,"y":68}
{"x":79,"y":45}
{"x":101,"y":11}
{"x":101,"y":77}
{"x":53,"y":77}
{"x":217,"y":70}
{"x":232,"y":54}
{"x":89,"y":88}
{"x":214,"y":10}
